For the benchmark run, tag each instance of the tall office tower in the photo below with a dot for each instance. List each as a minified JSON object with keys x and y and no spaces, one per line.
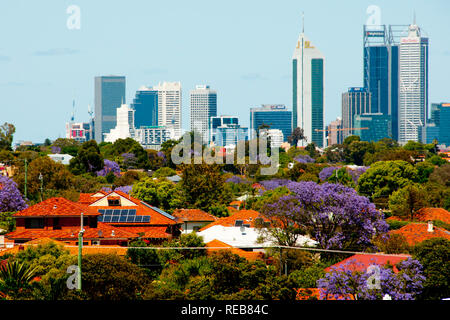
{"x":435,"y":113}
{"x":413,"y":82}
{"x":444,"y":124}
{"x":355,"y":101}
{"x":125,"y":125}
{"x":276,"y":136}
{"x":308,"y":65}
{"x":275,"y":116}
{"x":109,"y":95}
{"x":203,"y":103}
{"x":220,"y":121}
{"x":79,"y":131}
{"x":334,"y":132}
{"x":378,"y":124}
{"x":145,"y":105}
{"x":169,"y":106}
{"x":381,"y":45}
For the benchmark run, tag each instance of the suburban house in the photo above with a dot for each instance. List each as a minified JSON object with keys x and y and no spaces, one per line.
{"x":217,"y":245}
{"x":238,"y":230}
{"x":193,"y":219}
{"x":427,"y":214}
{"x":415,"y":233}
{"x":60,"y":219}
{"x":123,"y":212}
{"x":361,"y":262}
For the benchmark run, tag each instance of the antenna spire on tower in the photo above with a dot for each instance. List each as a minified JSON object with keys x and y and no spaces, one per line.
{"x":303,"y":22}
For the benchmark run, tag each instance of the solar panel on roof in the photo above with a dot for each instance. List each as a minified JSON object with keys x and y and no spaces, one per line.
{"x":102,"y":211}
{"x":107,"y":218}
{"x":123,"y":218}
{"x":108,"y":211}
{"x":238,"y":223}
{"x":116,"y":212}
{"x":115,"y":218}
{"x":146,"y":219}
{"x":124,"y":212}
{"x":138,"y":219}
{"x":100,"y":218}
{"x":131,"y":218}
{"x":132,"y":212}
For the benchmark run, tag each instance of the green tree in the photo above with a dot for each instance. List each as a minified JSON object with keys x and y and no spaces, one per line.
{"x":356,"y":151}
{"x":7,"y":131}
{"x":385,"y":177}
{"x":204,"y":186}
{"x":111,"y":277}
{"x":88,"y":159}
{"x":147,"y":259}
{"x":434,"y":255}
{"x":341,"y":176}
{"x":405,"y":202}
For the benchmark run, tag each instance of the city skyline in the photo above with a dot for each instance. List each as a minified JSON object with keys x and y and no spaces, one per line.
{"x":57,"y":66}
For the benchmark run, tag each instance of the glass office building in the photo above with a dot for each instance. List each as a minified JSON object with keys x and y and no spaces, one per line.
{"x":444,"y":132}
{"x":372,"y":126}
{"x":145,"y":105}
{"x":274,"y":116}
{"x":109,"y":95}
{"x":354,"y":102}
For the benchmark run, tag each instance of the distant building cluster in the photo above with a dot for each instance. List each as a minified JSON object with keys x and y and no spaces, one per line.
{"x":392,"y":103}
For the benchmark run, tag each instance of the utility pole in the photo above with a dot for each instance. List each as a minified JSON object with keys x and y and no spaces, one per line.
{"x":80,"y":249}
{"x":41,"y":178}
{"x":26,"y":168}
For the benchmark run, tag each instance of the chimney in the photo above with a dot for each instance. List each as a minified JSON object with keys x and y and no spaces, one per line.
{"x":430,"y":226}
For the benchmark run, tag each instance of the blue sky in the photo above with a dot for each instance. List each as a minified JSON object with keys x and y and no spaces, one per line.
{"x":243,"y":49}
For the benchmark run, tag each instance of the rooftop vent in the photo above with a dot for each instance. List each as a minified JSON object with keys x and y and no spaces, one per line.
{"x":113,"y":233}
{"x":430,"y":226}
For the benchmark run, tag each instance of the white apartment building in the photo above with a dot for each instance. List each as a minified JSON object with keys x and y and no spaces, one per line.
{"x":169,"y":106}
{"x":203,"y":105}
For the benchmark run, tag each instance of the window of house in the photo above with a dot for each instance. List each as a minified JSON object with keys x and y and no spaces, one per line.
{"x":56,"y":224}
{"x":34,"y":223}
{"x":114,"y":202}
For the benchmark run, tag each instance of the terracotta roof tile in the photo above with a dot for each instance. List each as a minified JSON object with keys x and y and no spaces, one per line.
{"x":148,"y":232}
{"x":193,"y":215}
{"x":249,"y":255}
{"x":55,"y":207}
{"x":360,"y":262}
{"x":247,"y":216}
{"x":418,"y":232}
{"x":72,"y":233}
{"x":431,"y":214}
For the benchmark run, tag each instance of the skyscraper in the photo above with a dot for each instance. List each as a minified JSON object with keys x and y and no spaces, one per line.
{"x":203,"y":103}
{"x":274,"y":116}
{"x":355,"y":101}
{"x":308,"y":65}
{"x":145,"y":105}
{"x":109,"y":95}
{"x":378,"y":124}
{"x":334,"y":132}
{"x":381,"y":45}
{"x":413,"y":82}
{"x":169,"y":106}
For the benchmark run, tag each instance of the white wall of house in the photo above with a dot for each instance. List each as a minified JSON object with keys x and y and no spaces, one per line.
{"x":190,"y":226}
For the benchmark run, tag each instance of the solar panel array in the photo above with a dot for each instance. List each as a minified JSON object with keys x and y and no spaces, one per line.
{"x":121,"y":216}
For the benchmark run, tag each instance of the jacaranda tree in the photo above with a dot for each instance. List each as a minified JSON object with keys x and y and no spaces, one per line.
{"x":10,"y":197}
{"x":334,"y":215}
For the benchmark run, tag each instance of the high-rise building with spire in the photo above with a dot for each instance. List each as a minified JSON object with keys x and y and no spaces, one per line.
{"x":308,"y":68}
{"x":413,"y":85}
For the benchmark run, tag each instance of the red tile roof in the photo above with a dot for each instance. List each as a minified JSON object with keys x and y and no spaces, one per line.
{"x":72,"y":233}
{"x":148,"y":232}
{"x":55,"y":207}
{"x":247,"y":216}
{"x":418,"y":232}
{"x":193,"y":215}
{"x":431,"y":214}
{"x":249,"y":255}
{"x":315,"y":294}
{"x":427,"y":214}
{"x":360,"y":262}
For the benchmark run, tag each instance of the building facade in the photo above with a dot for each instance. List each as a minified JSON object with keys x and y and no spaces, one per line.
{"x":125,"y":125}
{"x":145,"y":105}
{"x":308,"y":66}
{"x":334,"y":132}
{"x":203,"y":105}
{"x":109,"y":95}
{"x":273,"y":116}
{"x":378,"y":126}
{"x":354,"y":102}
{"x":169,"y":106}
{"x":413,"y":82}
{"x":444,"y":124}
{"x":226,"y":131}
{"x":152,"y":137}
{"x":80,"y":131}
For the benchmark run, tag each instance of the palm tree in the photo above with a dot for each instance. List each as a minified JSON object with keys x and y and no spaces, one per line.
{"x":15,"y":277}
